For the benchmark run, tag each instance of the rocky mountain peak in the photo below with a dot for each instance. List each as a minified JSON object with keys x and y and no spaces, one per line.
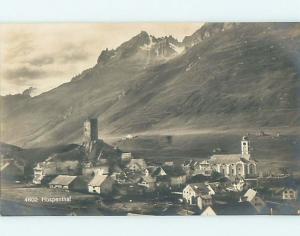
{"x":144,"y":46}
{"x":206,"y":31}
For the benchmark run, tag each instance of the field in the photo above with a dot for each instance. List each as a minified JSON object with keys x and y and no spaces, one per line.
{"x":22,"y":200}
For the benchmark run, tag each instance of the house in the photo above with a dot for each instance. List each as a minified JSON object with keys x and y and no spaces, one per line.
{"x":198,"y":178}
{"x":177,"y":180}
{"x":11,"y":170}
{"x":137,"y":165}
{"x":126,"y":156}
{"x":253,"y":197}
{"x":163,"y":182}
{"x":202,"y":168}
{"x":116,"y":172}
{"x":154,"y":171}
{"x":91,"y":170}
{"x":168,"y":163}
{"x":154,"y":176}
{"x":232,"y":165}
{"x":149,"y":182}
{"x":289,"y":194}
{"x":101,"y":184}
{"x":239,"y":208}
{"x":188,"y":166}
{"x":209,"y":211}
{"x":53,"y":166}
{"x":237,"y":185}
{"x":68,"y":182}
{"x":43,"y":169}
{"x":192,"y":191}
{"x":204,"y":200}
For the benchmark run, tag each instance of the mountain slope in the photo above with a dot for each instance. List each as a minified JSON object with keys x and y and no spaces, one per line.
{"x":234,"y":75}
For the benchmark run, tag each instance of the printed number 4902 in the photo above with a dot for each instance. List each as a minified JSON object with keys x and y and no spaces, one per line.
{"x":31,"y":199}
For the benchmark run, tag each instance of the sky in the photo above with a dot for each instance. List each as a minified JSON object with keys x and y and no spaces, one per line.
{"x":43,"y":56}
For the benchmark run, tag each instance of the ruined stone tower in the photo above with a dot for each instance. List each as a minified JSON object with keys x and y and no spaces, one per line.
{"x":90,"y":130}
{"x":90,"y":134}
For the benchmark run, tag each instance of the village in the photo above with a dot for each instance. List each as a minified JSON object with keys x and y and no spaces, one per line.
{"x":117,"y":182}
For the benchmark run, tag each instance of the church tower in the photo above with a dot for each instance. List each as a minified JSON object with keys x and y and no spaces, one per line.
{"x":245,"y":148}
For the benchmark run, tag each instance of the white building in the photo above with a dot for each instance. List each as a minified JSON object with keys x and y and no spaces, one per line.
{"x":126,"y":156}
{"x":203,"y":168}
{"x":137,"y":165}
{"x":235,"y":164}
{"x":203,"y":201}
{"x":192,"y":191}
{"x":68,"y":182}
{"x":101,"y":184}
{"x":256,"y":201}
{"x":289,"y":194}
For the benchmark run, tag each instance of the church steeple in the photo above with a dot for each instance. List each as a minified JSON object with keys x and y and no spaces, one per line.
{"x":245,"y":148}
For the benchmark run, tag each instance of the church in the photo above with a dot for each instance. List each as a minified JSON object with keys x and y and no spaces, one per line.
{"x":232,"y":165}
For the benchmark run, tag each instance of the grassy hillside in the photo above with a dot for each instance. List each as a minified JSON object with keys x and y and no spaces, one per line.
{"x":235,"y":77}
{"x":270,"y":151}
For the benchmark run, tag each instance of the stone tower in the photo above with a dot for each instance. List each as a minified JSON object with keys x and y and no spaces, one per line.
{"x":245,"y":148}
{"x":90,"y":130}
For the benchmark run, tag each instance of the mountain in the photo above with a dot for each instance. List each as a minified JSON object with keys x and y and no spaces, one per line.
{"x":206,"y":31}
{"x":229,"y":75}
{"x":142,"y":46}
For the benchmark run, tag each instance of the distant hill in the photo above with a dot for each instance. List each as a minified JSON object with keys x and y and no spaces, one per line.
{"x":224,"y":75}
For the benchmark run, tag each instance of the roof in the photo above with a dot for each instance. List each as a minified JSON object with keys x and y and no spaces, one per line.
{"x":4,"y":166}
{"x":250,"y":194}
{"x":98,"y":180}
{"x":239,"y":208}
{"x":174,"y":171}
{"x":205,"y":196}
{"x":199,"y":178}
{"x":149,"y":179}
{"x":225,"y":159}
{"x":63,"y":180}
{"x":199,"y":188}
{"x":156,"y":171}
{"x":140,"y":162}
{"x":189,"y":163}
{"x":126,"y":155}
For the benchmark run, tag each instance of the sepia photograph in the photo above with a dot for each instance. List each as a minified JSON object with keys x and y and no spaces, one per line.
{"x":150,"y":119}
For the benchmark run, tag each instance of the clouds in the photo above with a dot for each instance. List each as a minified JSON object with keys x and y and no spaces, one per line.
{"x":42,"y":60}
{"x":24,"y":72}
{"x":46,"y":55}
{"x":71,"y":52}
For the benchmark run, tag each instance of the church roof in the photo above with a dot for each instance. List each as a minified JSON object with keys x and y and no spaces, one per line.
{"x":225,"y":159}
